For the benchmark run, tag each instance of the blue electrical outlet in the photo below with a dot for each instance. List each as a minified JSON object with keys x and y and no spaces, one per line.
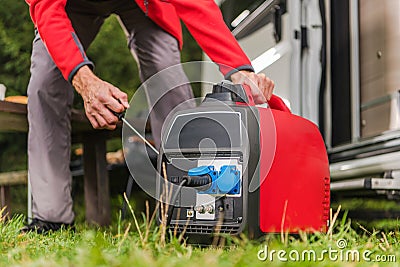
{"x":226,"y":181}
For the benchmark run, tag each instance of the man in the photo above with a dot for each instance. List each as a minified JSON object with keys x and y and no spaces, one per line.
{"x":65,"y":29}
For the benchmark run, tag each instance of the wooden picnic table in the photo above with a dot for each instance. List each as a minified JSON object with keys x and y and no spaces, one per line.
{"x":13,"y":118}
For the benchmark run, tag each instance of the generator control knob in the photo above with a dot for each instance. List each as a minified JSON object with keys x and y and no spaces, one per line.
{"x":209,"y":209}
{"x":200,"y":209}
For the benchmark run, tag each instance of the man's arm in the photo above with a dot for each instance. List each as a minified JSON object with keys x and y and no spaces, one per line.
{"x":63,"y":45}
{"x":58,"y":35}
{"x":204,"y":20}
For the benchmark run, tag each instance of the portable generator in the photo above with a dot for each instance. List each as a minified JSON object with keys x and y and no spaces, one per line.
{"x":229,"y":166}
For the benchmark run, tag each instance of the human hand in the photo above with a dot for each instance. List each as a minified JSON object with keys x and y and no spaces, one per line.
{"x":100,"y":99}
{"x":261,"y":86}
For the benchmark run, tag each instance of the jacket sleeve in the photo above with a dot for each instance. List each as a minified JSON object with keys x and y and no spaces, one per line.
{"x":56,"y":31}
{"x":204,"y":20}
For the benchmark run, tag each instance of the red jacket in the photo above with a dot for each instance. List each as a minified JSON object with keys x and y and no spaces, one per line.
{"x":202,"y":17}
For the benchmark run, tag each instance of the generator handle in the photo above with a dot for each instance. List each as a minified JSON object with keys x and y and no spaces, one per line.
{"x":249,"y":95}
{"x":277,"y":103}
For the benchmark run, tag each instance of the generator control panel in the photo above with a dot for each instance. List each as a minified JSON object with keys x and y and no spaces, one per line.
{"x":216,"y":188}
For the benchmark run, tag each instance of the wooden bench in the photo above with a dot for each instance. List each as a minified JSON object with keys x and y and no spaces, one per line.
{"x":13,"y":118}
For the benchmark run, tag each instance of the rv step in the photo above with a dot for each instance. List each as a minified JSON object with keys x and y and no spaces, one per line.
{"x":366,"y":183}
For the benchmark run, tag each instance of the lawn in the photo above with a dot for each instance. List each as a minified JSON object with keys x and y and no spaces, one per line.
{"x":123,"y":244}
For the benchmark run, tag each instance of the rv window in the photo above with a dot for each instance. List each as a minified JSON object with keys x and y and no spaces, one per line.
{"x":235,"y":11}
{"x":239,"y":12}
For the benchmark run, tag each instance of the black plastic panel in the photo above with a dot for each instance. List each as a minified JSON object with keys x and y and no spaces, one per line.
{"x":222,"y":128}
{"x":341,"y":89}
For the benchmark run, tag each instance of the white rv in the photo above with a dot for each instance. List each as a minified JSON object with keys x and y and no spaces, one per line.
{"x":337,"y":63}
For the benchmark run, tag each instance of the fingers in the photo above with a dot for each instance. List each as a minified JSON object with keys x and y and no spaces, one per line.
{"x":121,"y":96}
{"x":108,"y":98}
{"x":93,"y":121}
{"x":265,"y":85}
{"x":103,"y":123}
{"x":258,"y":96}
{"x":101,"y":118}
{"x":110,"y":119}
{"x":269,"y":88}
{"x":255,"y":83}
{"x":101,"y":104}
{"x":261,"y":86}
{"x":262,"y":82}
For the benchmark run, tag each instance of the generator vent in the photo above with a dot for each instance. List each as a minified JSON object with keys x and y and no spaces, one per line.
{"x":326,"y":203}
{"x":207,"y":229}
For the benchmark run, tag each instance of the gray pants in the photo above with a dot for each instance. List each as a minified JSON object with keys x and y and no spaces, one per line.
{"x":51,"y":98}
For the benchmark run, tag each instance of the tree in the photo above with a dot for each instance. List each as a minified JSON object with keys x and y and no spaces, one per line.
{"x":16,"y":34}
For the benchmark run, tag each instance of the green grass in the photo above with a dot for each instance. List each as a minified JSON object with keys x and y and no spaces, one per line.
{"x":368,"y":203}
{"x":123,"y":245}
